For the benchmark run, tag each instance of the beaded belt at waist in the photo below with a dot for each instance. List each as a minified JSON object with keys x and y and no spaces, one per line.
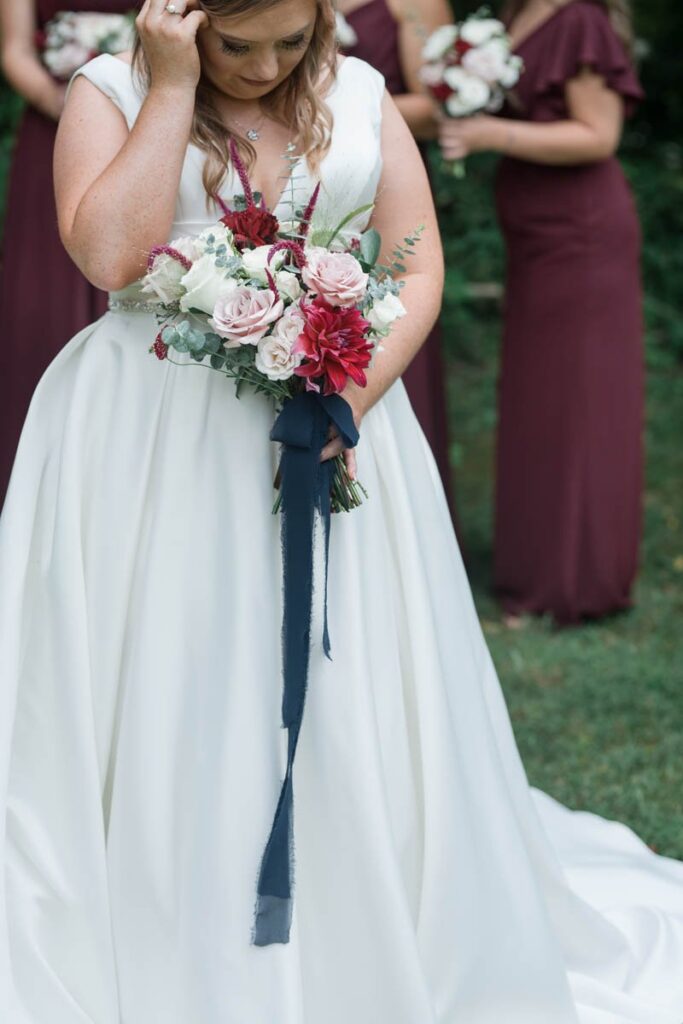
{"x":117,"y":305}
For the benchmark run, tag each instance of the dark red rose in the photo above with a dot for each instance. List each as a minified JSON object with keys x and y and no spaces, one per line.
{"x":252,"y":227}
{"x":461,"y":47}
{"x":334,"y":345}
{"x":441,"y":92}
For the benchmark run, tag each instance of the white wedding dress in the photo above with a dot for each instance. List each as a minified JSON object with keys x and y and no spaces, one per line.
{"x":141,"y":748}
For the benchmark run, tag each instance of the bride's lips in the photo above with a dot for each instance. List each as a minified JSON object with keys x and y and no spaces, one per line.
{"x":255,"y":83}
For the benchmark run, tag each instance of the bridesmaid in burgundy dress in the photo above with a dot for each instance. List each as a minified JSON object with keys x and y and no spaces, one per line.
{"x":44,"y":299}
{"x":569,"y":482}
{"x":390,"y":36}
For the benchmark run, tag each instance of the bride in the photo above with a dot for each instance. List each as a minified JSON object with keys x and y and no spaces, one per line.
{"x":141,"y":749}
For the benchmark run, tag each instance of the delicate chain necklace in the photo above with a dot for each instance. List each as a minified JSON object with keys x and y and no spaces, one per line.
{"x":253,"y":133}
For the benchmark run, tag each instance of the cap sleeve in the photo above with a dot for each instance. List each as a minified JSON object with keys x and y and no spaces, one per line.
{"x":114,"y":77}
{"x":585,"y":37}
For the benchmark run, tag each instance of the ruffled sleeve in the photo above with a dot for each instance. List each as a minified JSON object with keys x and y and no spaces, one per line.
{"x":584,"y":37}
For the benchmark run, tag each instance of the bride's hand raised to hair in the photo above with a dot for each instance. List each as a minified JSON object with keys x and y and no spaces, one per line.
{"x":169,"y":39}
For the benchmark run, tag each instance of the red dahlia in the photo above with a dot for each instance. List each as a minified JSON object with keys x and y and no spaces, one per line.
{"x":334,"y":346}
{"x":252,"y":227}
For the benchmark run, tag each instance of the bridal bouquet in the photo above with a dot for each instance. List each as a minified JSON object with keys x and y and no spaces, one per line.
{"x":72,"y":38}
{"x":278,"y":308}
{"x":469,"y":67}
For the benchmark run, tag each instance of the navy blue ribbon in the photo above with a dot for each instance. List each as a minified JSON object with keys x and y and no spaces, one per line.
{"x":302,"y":428}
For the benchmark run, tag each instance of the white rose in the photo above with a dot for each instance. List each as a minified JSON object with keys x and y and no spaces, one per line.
{"x":204,"y":285}
{"x":439,"y":42}
{"x":274,"y":356}
{"x":384,"y":311}
{"x":288,"y":285}
{"x":164,"y":277}
{"x":255,"y":261}
{"x":432,"y":74}
{"x":487,"y":61}
{"x":476,"y":31}
{"x":217,"y":234}
{"x":512,"y":72}
{"x":346,"y":35}
{"x":470,"y":94}
{"x":66,"y":59}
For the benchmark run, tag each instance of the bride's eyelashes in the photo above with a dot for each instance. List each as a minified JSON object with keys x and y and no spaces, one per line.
{"x":240,"y":49}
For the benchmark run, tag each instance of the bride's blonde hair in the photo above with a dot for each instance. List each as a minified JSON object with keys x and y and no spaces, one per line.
{"x":297,"y":102}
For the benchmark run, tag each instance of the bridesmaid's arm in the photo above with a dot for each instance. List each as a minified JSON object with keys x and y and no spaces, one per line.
{"x":116,"y":191}
{"x":417,"y":19}
{"x":591,"y":133}
{"x":20,"y":61}
{"x":404,"y":203}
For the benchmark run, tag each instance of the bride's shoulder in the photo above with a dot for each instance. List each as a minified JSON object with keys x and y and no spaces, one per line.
{"x":357,"y":76}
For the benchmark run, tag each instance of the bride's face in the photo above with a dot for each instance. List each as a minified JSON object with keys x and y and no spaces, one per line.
{"x":248,"y":56}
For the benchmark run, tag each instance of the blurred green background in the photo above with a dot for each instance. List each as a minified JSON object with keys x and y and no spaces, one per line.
{"x":598,"y":710}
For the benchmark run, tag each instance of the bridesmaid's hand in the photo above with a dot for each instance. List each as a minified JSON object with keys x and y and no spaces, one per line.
{"x":170,"y":42}
{"x":460,"y":136}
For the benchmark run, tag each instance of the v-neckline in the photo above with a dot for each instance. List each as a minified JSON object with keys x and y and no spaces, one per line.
{"x":539,"y":28}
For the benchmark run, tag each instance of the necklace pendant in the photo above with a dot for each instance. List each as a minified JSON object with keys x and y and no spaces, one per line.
{"x":253,"y":135}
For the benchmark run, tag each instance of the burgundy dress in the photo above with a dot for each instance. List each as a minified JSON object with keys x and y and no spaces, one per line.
{"x":44,"y":299}
{"x":378,"y":44}
{"x":569,"y":474}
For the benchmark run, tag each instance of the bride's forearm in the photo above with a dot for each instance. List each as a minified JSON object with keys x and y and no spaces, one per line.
{"x":130,"y":207}
{"x":421,"y":296}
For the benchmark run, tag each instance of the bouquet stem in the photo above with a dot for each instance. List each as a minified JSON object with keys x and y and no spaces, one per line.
{"x":456,"y":168}
{"x":345,"y":495}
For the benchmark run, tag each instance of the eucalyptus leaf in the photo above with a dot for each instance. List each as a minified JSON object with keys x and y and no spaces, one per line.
{"x":370,"y":246}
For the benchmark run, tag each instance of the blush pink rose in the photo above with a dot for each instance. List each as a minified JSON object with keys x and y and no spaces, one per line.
{"x":244,"y":315}
{"x":336,"y":277}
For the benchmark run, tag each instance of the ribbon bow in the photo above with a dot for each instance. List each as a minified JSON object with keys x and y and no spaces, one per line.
{"x":302,"y":427}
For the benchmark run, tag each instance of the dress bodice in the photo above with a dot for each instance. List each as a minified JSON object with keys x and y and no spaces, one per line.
{"x":377,"y":42}
{"x":349,"y":173}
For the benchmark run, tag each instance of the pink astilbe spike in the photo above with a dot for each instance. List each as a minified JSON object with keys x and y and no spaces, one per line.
{"x":168,"y":250}
{"x":295,"y":249}
{"x":305,"y":222}
{"x":241,"y":172}
{"x":272,"y":285}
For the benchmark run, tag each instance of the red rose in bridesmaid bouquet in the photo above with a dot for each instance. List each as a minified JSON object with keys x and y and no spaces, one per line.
{"x":335,"y":347}
{"x":252,"y":227}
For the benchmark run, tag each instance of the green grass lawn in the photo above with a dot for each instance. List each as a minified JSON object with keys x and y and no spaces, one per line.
{"x":598,"y":709}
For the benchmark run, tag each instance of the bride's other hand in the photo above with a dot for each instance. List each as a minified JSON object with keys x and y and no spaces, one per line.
{"x":354,"y":396}
{"x":461,"y":136}
{"x":169,"y":38}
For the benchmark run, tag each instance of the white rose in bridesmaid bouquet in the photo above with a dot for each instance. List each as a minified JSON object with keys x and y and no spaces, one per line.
{"x":336,"y":277}
{"x":488,"y":61}
{"x":476,"y":31}
{"x":66,"y":59}
{"x":164,"y":278}
{"x":512,"y":71}
{"x":470,"y":94}
{"x":274,"y":355}
{"x":439,"y":42}
{"x":288,"y":285}
{"x":255,"y":262}
{"x":204,"y":284}
{"x":384,"y":312}
{"x":244,"y":316}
